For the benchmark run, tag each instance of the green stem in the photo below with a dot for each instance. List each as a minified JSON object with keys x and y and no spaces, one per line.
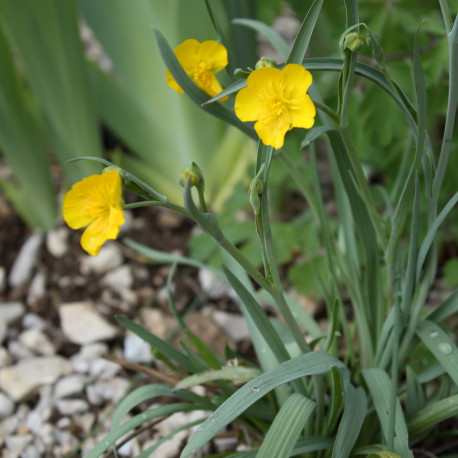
{"x":329,"y":111}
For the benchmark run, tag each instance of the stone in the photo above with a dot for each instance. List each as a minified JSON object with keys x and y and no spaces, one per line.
{"x":16,"y":443}
{"x":6,"y":405}
{"x":17,"y":350}
{"x":82,"y":324}
{"x":37,"y":288}
{"x":34,"y":340}
{"x":157,"y":322}
{"x":85,"y":421}
{"x":57,"y":242}
{"x":5,"y":357}
{"x":11,"y":312}
{"x":3,"y":331}
{"x":103,"y":369}
{"x":2,"y":279}
{"x":213,"y":285}
{"x":112,"y":390}
{"x":42,"y":411}
{"x":70,"y":385}
{"x":136,"y":349}
{"x":71,"y":406}
{"x":121,"y":281}
{"x":26,"y":377}
{"x":82,"y":360}
{"x":24,"y":263}
{"x":109,"y":258}
{"x":32,"y":320}
{"x":234,"y":326}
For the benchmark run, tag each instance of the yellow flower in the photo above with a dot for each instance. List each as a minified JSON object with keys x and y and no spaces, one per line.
{"x":95,"y":202}
{"x":278,"y":101}
{"x":200,"y":61}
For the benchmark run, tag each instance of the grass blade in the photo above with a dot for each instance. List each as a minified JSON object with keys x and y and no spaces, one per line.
{"x":441,"y":346}
{"x":286,"y":427}
{"x":312,"y":363}
{"x":379,"y":385}
{"x":302,"y":41}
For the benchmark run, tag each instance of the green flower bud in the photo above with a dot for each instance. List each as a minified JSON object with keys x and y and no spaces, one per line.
{"x":124,"y":176}
{"x":353,"y":41}
{"x":265,"y":62}
{"x":374,"y":41}
{"x":192,"y":171}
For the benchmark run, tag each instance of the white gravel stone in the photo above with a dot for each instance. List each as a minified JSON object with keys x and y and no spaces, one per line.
{"x":71,"y":406}
{"x":109,"y":258}
{"x":82,"y":324}
{"x":37,"y":288}
{"x":213,"y":285}
{"x":82,"y":360}
{"x":234,"y":326}
{"x":136,"y":349}
{"x":3,"y":331}
{"x":16,"y":443}
{"x":103,"y":369}
{"x":24,"y":378}
{"x":85,"y":421}
{"x":2,"y":279}
{"x":112,"y":390}
{"x":32,"y":320}
{"x":11,"y":311}
{"x":6,"y":405}
{"x":121,"y":280}
{"x":57,"y":242}
{"x":69,"y":385}
{"x":24,"y":263}
{"x":42,"y":411}
{"x":34,"y":340}
{"x":32,"y":451}
{"x":5,"y":358}
{"x":17,"y":351}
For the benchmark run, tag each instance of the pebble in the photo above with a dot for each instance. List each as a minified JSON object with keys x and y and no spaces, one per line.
{"x":11,"y":311}
{"x":85,"y":421}
{"x":34,"y":340}
{"x":57,"y":242}
{"x":37,"y":288}
{"x":109,"y":258}
{"x":42,"y":411}
{"x":24,"y":378}
{"x":103,"y":369}
{"x":6,"y":405}
{"x":69,"y":386}
{"x":17,"y":443}
{"x":110,"y":390}
{"x":235,"y":326}
{"x":214,"y":286}
{"x":136,"y":349}
{"x":5,"y":357}
{"x":121,"y":280}
{"x":24,"y":263}
{"x":82,"y":360}
{"x":82,"y":324}
{"x":71,"y":406}
{"x":2,"y":279}
{"x":32,"y":320}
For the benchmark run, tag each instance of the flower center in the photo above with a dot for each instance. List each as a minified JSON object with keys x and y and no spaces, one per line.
{"x":201,"y":75}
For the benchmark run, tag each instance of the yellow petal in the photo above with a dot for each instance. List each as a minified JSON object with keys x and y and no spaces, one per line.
{"x":274,"y":137}
{"x":303,"y":115}
{"x":213,"y":55}
{"x":172,"y":83}
{"x":187,"y":53}
{"x":248,"y":104}
{"x":296,"y":77}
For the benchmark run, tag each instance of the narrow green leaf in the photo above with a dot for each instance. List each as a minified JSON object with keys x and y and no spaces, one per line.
{"x":445,"y":310}
{"x":286,"y":427}
{"x":304,"y":34}
{"x":431,"y":235}
{"x":415,"y":395}
{"x":274,"y":38}
{"x":383,"y":455}
{"x":379,"y":385}
{"x":236,"y":374}
{"x":314,"y":133}
{"x":337,"y":396}
{"x":157,"y":343}
{"x":312,"y":363}
{"x":110,"y":439}
{"x":151,"y":391}
{"x":441,"y":346}
{"x":352,"y":421}
{"x":254,"y":310}
{"x":432,"y":414}
{"x":211,"y":358}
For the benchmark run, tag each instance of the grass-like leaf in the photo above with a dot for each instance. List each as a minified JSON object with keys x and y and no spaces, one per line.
{"x":313,"y":363}
{"x":286,"y":427}
{"x":441,"y":346}
{"x":446,"y":309}
{"x":379,"y":386}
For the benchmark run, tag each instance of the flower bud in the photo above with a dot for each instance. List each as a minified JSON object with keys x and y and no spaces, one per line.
{"x":265,"y":62}
{"x":353,"y":41}
{"x":192,"y":171}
